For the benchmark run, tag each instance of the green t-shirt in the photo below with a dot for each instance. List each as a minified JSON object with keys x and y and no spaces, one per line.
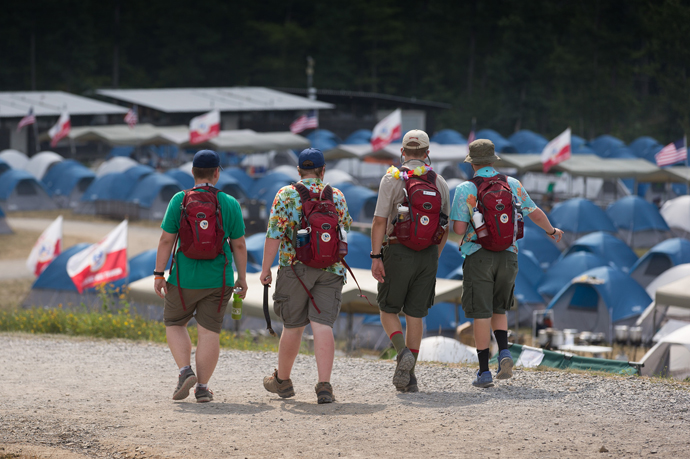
{"x":197,"y":274}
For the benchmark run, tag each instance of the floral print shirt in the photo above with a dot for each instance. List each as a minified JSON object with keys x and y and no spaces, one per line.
{"x":466,"y":198}
{"x":285,"y":217}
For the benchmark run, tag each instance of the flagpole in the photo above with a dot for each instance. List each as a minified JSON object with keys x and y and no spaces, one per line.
{"x":37,"y":146}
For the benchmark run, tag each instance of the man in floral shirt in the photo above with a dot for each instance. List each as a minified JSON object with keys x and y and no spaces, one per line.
{"x":291,"y":300}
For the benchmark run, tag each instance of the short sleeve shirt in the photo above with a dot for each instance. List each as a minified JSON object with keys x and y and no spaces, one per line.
{"x":466,"y":199}
{"x":286,"y":213}
{"x":391,"y":193}
{"x":198,"y":274}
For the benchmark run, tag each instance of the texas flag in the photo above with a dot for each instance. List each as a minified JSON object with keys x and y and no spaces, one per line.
{"x":387,"y":130}
{"x":46,"y":248}
{"x":204,"y":127}
{"x":556,"y":151}
{"x":100,"y":263}
{"x":60,"y":130}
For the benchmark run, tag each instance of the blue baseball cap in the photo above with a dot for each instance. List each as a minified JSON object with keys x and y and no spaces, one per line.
{"x":311,"y":158}
{"x":206,"y":159}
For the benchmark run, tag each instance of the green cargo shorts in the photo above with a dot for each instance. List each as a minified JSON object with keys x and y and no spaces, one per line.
{"x":488,"y":283}
{"x":410,"y":281}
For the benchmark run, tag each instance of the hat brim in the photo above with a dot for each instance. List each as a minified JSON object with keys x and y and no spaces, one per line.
{"x":482,"y":159}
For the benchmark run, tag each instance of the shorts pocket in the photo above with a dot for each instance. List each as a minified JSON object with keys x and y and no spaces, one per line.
{"x":280,"y":303}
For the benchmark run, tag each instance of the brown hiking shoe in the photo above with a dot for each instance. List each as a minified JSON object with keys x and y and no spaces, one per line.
{"x":324,"y":393}
{"x":283,"y":389}
{"x":185,"y":382}
{"x":406,"y":361}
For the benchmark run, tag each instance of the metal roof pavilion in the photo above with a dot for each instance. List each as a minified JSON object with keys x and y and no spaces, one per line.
{"x":16,"y":104}
{"x":235,"y":99}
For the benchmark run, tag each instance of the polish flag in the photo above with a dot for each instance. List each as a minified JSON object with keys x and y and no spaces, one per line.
{"x":204,"y":127}
{"x":387,"y":130}
{"x":60,"y":130}
{"x":556,"y":151}
{"x":100,"y":263}
{"x":47,"y":248}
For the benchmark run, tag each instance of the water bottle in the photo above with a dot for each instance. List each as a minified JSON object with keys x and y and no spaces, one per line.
{"x":303,"y":250}
{"x":342,"y":245}
{"x":236,"y":305}
{"x":478,"y":221}
{"x":302,"y":238}
{"x":402,"y":224}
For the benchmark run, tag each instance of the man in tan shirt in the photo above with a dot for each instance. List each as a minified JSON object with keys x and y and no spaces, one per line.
{"x":407,"y":276}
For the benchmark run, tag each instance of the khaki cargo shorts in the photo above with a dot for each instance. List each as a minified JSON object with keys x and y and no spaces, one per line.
{"x":292,"y":304}
{"x":488,"y":283}
{"x":203,"y":301}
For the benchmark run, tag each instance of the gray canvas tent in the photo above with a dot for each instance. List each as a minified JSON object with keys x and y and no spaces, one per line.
{"x":670,"y":356}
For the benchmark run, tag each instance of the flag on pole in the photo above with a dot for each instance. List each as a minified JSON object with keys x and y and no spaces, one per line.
{"x":304,"y":122}
{"x":132,"y":117}
{"x":556,"y":151}
{"x":204,"y":127}
{"x":471,"y":137}
{"x":100,"y":263}
{"x":672,"y":153}
{"x":47,"y":248}
{"x":29,"y":119}
{"x":60,"y":130}
{"x":387,"y":130}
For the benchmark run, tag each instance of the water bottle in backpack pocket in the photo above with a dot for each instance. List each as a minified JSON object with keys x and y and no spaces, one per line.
{"x":303,"y":246}
{"x":403,"y":223}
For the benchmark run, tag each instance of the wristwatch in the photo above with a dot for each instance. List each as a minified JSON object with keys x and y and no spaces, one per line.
{"x":554,"y":232}
{"x":378,"y":255}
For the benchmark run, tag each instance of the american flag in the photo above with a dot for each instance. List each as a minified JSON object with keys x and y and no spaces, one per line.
{"x":304,"y":122}
{"x":131,"y":118}
{"x":30,"y":118}
{"x":672,"y":153}
{"x":471,"y":137}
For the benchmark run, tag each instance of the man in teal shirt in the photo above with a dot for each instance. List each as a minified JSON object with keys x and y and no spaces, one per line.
{"x":201,"y":284}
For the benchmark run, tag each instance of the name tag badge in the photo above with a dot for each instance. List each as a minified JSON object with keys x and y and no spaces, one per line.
{"x":429,"y":193}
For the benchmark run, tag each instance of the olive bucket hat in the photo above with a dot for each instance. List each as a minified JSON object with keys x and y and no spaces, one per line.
{"x":481,"y":151}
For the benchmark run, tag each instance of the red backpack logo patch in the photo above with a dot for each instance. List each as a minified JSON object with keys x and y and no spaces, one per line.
{"x":422,"y":226}
{"x":495,"y":202}
{"x":320,"y":219}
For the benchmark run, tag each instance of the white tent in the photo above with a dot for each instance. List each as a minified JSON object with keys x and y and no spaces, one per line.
{"x":336,"y":176}
{"x":116,"y":164}
{"x":670,"y":356}
{"x":39,"y":164}
{"x":671,"y":300}
{"x":676,"y":212}
{"x":290,"y":171}
{"x":271,"y":159}
{"x":16,"y":159}
{"x":446,"y":350}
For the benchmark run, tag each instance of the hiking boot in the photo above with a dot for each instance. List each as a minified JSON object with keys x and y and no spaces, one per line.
{"x":184,"y":384}
{"x":203,"y":395}
{"x":324,"y":393}
{"x":483,"y":380}
{"x":283,"y":389}
{"x":505,"y":365}
{"x":411,"y":386}
{"x":401,"y":378}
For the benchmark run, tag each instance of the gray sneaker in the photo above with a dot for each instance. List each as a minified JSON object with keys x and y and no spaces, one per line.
{"x":185,"y":382}
{"x":401,"y":378}
{"x":411,"y":386}
{"x":203,"y":395}
{"x":505,"y":365}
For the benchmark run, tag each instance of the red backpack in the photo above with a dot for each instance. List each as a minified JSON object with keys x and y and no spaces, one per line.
{"x":319,"y":215}
{"x":201,"y":232}
{"x":495,"y":202}
{"x":423,"y":228}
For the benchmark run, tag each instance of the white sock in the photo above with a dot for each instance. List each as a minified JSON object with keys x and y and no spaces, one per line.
{"x":185,"y":368}
{"x":201,"y":386}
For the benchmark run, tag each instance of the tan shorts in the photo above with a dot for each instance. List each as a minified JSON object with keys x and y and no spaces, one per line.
{"x":292,"y":304}
{"x":203,"y":300}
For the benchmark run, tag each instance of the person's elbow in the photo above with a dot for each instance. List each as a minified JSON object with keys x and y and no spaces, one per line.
{"x":459,"y":227}
{"x":238,"y":244}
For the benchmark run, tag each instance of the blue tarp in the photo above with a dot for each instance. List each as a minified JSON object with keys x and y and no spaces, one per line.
{"x":608,"y":247}
{"x":579,"y":146}
{"x":566,"y":269}
{"x":449,"y":137}
{"x":526,"y":141}
{"x":645,"y":147}
{"x":361,"y":201}
{"x":608,"y":146}
{"x":676,"y":251}
{"x":359,"y":137}
{"x":11,"y":178}
{"x":501,"y":144}
{"x":635,"y":214}
{"x":540,"y":245}
{"x":183,"y":179}
{"x":323,"y":139}
{"x":63,"y":176}
{"x":147,"y":189}
{"x":579,"y":216}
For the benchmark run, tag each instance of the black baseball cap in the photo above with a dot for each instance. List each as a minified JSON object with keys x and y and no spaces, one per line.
{"x":311,"y":158}
{"x":206,"y":159}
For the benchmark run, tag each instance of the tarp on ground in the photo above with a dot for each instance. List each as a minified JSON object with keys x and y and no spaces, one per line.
{"x":15,"y":159}
{"x":608,"y":247}
{"x":578,"y":217}
{"x":526,"y":141}
{"x":532,"y":357}
{"x":670,"y":356}
{"x":152,"y":194}
{"x":645,"y":147}
{"x":598,"y":299}
{"x":660,"y":258}
{"x":540,"y":245}
{"x":39,"y":164}
{"x":501,"y":144}
{"x":117,"y":164}
{"x":4,"y":227}
{"x":66,"y":181}
{"x":567,"y":269}
{"x":185,"y":180}
{"x":676,"y":212}
{"x":361,"y":201}
{"x":639,"y":222}
{"x":446,"y":350}
{"x":448,"y":137}
{"x":20,"y":190}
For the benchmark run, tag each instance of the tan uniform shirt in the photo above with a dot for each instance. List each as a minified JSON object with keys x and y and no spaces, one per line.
{"x":391,"y":194}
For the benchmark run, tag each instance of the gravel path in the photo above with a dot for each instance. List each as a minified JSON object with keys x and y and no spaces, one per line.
{"x":112,"y":399}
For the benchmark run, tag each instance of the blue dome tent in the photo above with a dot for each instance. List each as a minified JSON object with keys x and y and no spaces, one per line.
{"x":529,"y":265}
{"x":529,"y":223}
{"x":528,"y":299}
{"x":449,"y":137}
{"x":639,"y":222}
{"x":608,"y":146}
{"x":108,"y":193}
{"x":19,"y":190}
{"x":580,"y":216}
{"x":183,"y":179}
{"x":255,"y":251}
{"x":231,"y":186}
{"x":241,"y":176}
{"x":66,"y":182}
{"x":526,"y":141}
{"x":358,"y":249}
{"x":645,"y":147}
{"x":270,"y":180}
{"x":152,"y":195}
{"x":323,"y":139}
{"x":4,"y":167}
{"x":540,"y":245}
{"x":610,"y":248}
{"x":565,"y":270}
{"x":361,"y":201}
{"x":501,"y":144}
{"x":359,"y":137}
{"x":579,"y":146}
{"x":660,"y":258}
{"x":450,"y":260}
{"x":597,"y":300}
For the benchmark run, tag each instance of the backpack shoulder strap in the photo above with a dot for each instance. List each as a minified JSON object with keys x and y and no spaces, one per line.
{"x":328,"y":193}
{"x":303,"y":192}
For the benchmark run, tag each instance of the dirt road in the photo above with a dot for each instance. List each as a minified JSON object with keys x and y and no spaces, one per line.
{"x":112,"y":399}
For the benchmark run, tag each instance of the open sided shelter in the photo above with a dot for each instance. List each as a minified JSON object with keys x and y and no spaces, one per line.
{"x":66,"y":182}
{"x":608,"y":247}
{"x":19,"y":190}
{"x":639,"y":222}
{"x":40,"y":163}
{"x":15,"y":159}
{"x":659,"y":259}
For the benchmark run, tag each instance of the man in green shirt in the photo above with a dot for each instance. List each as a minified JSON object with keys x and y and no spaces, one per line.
{"x":201,"y":283}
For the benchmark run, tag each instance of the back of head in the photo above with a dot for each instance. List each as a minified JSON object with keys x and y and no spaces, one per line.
{"x":311,"y":162}
{"x":415,"y":144}
{"x":205,"y":164}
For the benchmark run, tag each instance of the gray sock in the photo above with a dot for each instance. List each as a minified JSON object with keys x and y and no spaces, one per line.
{"x":185,"y":368}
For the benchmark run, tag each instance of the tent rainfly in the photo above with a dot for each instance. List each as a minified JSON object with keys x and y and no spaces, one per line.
{"x":19,"y":190}
{"x":66,"y":181}
{"x":660,"y":258}
{"x":676,"y":212}
{"x":639,"y":222}
{"x":40,"y":163}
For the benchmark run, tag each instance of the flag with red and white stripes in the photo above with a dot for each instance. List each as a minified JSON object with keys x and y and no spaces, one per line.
{"x":100,"y":263}
{"x":60,"y":130}
{"x":304,"y":122}
{"x":672,"y":153}
{"x":471,"y":137}
{"x":132,"y":117}
{"x":29,"y":119}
